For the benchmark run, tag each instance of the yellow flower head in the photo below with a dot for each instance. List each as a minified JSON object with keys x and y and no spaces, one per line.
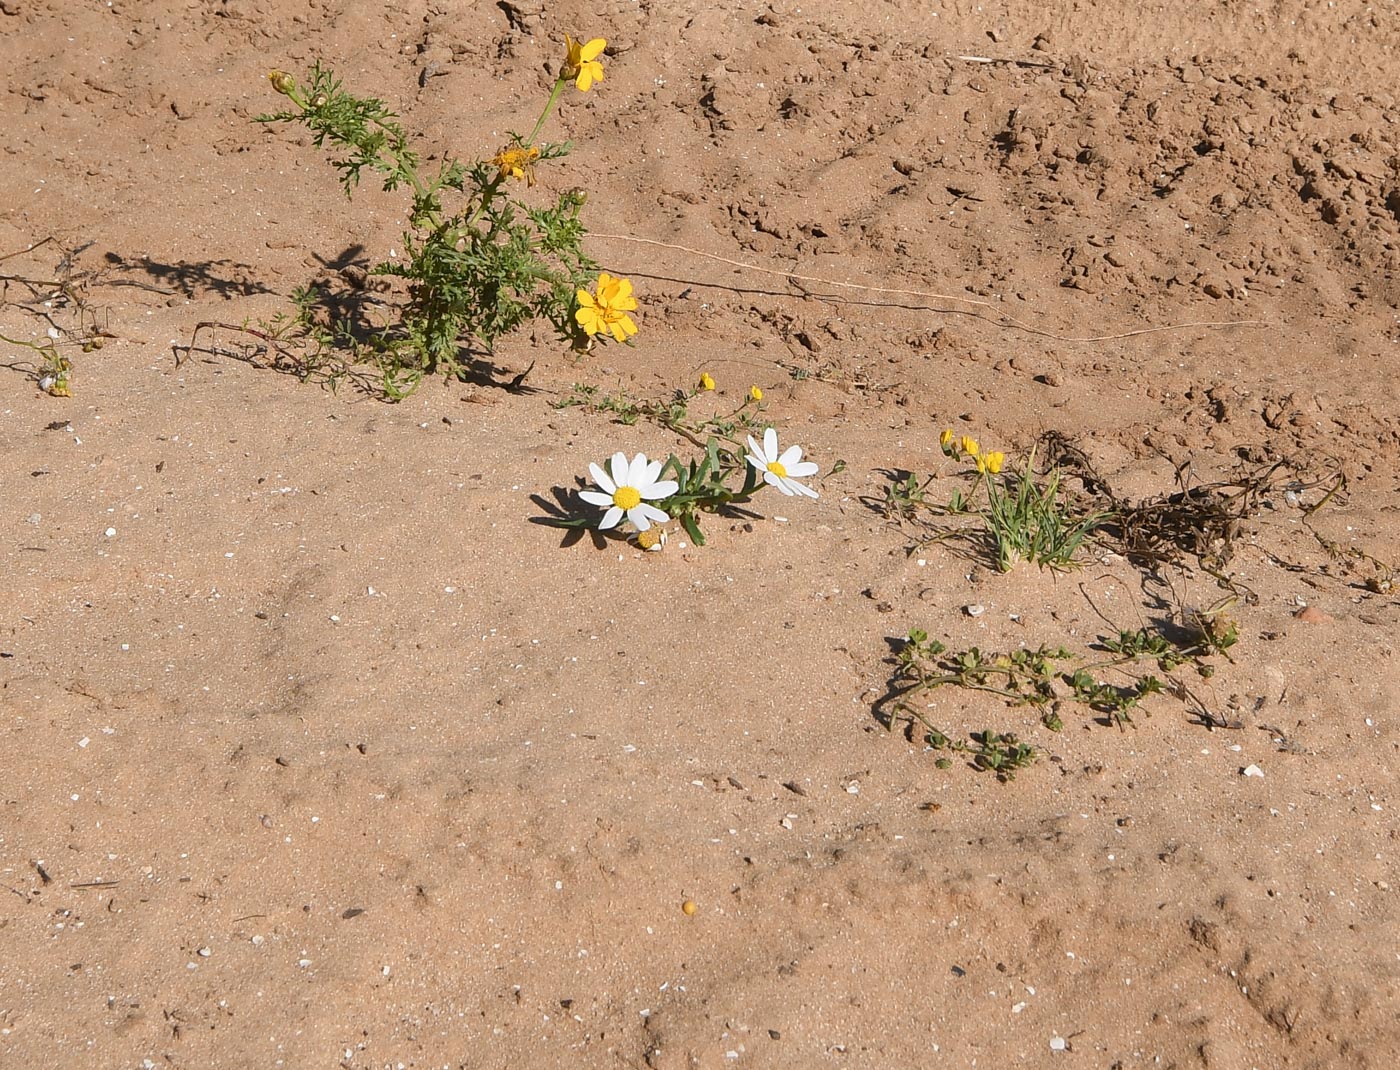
{"x":994,"y":459}
{"x":706,"y":383}
{"x":581,"y":63}
{"x":968,"y":445}
{"x":945,"y":440}
{"x":755,"y":393}
{"x":606,"y":311}
{"x":517,"y":161}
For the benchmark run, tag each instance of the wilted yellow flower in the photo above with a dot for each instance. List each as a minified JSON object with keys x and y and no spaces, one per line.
{"x":606,"y":313}
{"x":994,"y":459}
{"x":946,"y":439}
{"x":968,"y":445}
{"x":755,"y":393}
{"x":706,"y":383}
{"x":517,"y":161}
{"x":581,"y":63}
{"x":283,"y":82}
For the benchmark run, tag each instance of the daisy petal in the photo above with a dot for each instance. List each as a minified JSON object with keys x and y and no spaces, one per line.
{"x":770,"y":444}
{"x":601,"y":478}
{"x":593,"y":497}
{"x":790,"y":457}
{"x":619,"y":469}
{"x":647,"y":513}
{"x":803,"y":468}
{"x":610,"y":519}
{"x":754,"y":450}
{"x":775,"y":480}
{"x":637,"y":470}
{"x":649,"y":476}
{"x":803,"y":490}
{"x":756,"y":461}
{"x":664,"y":489}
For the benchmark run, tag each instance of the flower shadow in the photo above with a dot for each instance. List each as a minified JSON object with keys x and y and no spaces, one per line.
{"x":568,"y":512}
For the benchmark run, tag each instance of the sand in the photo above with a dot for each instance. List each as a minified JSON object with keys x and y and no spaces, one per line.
{"x":320,"y":750}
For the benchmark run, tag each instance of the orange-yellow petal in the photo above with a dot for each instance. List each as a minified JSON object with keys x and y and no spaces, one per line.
{"x":590,"y":320}
{"x":621,"y":327}
{"x":593,"y":50}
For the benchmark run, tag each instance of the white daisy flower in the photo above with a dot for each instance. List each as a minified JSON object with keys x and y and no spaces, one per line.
{"x":780,"y":468}
{"x":626,"y":490}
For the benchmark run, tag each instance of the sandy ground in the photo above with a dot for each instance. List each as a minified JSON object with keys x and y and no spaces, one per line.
{"x":317,"y":751}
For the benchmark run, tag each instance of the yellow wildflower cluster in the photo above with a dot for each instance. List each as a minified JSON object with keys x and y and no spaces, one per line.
{"x":958,"y":446}
{"x":516,"y":161}
{"x":606,"y":311}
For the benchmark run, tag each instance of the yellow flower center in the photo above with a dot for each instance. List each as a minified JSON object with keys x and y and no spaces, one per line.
{"x":776,"y":467}
{"x":627,"y":498}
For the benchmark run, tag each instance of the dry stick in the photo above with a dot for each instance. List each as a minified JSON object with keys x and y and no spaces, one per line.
{"x":1001,"y":317}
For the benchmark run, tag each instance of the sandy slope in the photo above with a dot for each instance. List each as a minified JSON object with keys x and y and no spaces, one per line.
{"x":318,"y":752}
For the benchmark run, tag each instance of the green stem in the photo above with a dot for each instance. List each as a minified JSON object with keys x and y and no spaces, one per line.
{"x":549,"y":106}
{"x":489,"y":193}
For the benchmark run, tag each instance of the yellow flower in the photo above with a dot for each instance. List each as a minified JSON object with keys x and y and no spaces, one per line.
{"x":994,"y":459}
{"x":755,"y":393}
{"x":968,"y":445}
{"x":946,"y":439}
{"x":517,"y":161}
{"x":581,"y":63}
{"x":706,"y":383}
{"x":606,"y":313}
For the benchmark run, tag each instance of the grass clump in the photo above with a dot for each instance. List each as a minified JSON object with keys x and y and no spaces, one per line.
{"x":1023,"y":515}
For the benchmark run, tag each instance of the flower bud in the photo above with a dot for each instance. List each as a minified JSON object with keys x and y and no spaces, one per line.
{"x":755,"y":393}
{"x":320,"y":100}
{"x":283,"y":82}
{"x":706,"y":382}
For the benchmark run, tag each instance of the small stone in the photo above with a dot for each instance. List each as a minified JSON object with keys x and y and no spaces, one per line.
{"x":1058,"y":1044}
{"x":688,"y":908}
{"x":1252,"y":770}
{"x":974,"y":610}
{"x":1312,"y":615}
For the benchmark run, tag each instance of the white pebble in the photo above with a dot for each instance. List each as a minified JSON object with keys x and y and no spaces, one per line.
{"x":111,"y":532}
{"x":1252,"y":770}
{"x":1058,"y":1044}
{"x":974,"y":610}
